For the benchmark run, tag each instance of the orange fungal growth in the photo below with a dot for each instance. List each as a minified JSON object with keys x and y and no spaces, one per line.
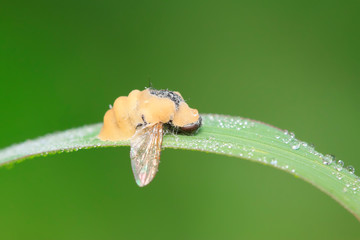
{"x":146,"y":108}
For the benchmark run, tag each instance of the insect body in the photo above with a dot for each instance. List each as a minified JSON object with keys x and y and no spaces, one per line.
{"x":141,"y":117}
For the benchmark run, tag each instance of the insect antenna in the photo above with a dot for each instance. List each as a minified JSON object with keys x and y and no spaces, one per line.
{"x":150,"y":83}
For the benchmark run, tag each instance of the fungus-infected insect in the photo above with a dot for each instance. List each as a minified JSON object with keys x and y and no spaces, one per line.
{"x":141,"y":117}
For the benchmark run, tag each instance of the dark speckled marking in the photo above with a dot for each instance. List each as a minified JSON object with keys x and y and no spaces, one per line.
{"x":167,"y":94}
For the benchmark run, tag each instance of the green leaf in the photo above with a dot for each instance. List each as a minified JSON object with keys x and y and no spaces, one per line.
{"x":232,"y":136}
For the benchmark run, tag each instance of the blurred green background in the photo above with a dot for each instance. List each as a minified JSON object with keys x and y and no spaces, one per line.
{"x":293,"y":64}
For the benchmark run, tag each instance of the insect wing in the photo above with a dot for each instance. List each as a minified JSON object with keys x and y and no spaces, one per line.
{"x":145,"y":153}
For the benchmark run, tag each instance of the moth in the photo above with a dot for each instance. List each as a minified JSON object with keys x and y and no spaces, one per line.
{"x":141,"y":117}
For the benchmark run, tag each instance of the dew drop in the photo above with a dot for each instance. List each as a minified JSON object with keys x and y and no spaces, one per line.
{"x":351,"y":169}
{"x":328,"y":159}
{"x":273,"y":162}
{"x":339,"y":165}
{"x":357,"y":179}
{"x":311,"y":147}
{"x":295,"y":144}
{"x":289,"y":136}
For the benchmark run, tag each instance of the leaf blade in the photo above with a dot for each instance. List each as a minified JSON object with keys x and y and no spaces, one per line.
{"x":226,"y":135}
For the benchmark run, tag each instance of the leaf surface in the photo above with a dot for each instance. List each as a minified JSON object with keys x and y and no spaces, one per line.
{"x":226,"y":135}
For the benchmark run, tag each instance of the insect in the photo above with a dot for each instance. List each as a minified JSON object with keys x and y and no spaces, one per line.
{"x":142,"y":117}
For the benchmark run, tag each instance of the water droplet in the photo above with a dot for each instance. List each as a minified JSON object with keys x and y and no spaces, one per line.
{"x":357,"y":179}
{"x":351,"y":169}
{"x":339,"y":165}
{"x":345,"y":189}
{"x":339,"y":176}
{"x":311,"y":147}
{"x":295,"y":144}
{"x":273,"y":162}
{"x":288,"y":136}
{"x":328,"y":159}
